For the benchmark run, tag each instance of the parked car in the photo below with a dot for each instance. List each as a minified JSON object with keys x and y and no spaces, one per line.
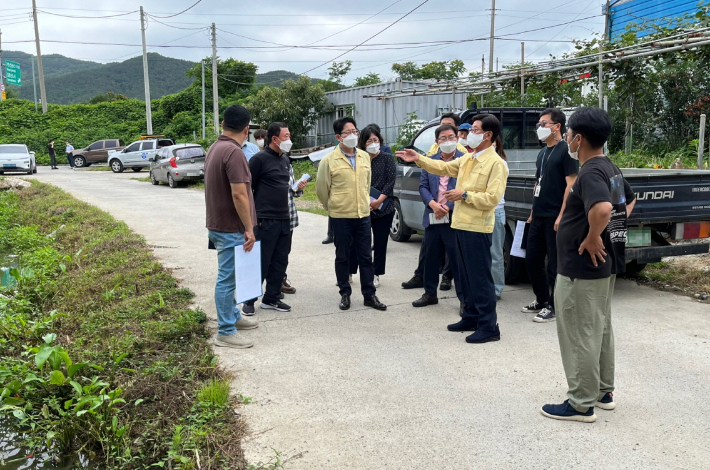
{"x":177,"y":163}
{"x":136,"y":156}
{"x":17,"y":158}
{"x":97,"y":152}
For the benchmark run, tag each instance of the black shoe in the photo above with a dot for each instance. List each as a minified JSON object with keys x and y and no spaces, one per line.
{"x":345,"y":302}
{"x":248,"y":308}
{"x":445,"y":283}
{"x":464,"y":325}
{"x":413,"y":283}
{"x":327,"y":240}
{"x":281,"y":295}
{"x":375,"y":303}
{"x":484,"y":337}
{"x":425,"y":300}
{"x":278,"y":306}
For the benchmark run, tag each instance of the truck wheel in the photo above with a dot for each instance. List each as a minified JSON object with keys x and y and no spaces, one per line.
{"x":399,"y":231}
{"x":513,"y":264}
{"x":116,"y":166}
{"x":634,"y":267}
{"x":79,"y":162}
{"x":137,"y":169}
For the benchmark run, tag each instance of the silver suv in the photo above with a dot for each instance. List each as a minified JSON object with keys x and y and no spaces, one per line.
{"x":137,"y":155}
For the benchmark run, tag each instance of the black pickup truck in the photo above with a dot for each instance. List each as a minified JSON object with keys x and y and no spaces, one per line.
{"x":671,"y":216}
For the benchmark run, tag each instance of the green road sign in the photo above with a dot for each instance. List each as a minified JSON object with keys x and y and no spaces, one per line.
{"x":13,"y":75}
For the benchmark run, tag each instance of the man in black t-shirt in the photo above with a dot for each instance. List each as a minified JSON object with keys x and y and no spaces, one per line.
{"x":555,"y":175}
{"x":591,"y":243}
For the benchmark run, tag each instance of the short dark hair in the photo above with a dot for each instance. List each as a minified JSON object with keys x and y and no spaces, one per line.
{"x":366,"y":133}
{"x":453,"y":116}
{"x":490,"y":123}
{"x":340,"y":124}
{"x":444,"y":127}
{"x":236,"y":118}
{"x":260,"y":134}
{"x":274,"y":130}
{"x":593,"y":123}
{"x":557,"y":116}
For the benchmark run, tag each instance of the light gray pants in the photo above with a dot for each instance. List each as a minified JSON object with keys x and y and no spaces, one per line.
{"x":586,"y":338}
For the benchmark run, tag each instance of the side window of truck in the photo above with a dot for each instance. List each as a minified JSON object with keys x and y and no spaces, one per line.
{"x":424,"y":141}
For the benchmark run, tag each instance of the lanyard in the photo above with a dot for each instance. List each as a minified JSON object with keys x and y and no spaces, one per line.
{"x":547,"y":156}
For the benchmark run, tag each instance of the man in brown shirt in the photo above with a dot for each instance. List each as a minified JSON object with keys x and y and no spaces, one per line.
{"x":230,"y":220}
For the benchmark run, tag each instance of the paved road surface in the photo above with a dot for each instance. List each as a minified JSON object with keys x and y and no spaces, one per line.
{"x":395,"y":390}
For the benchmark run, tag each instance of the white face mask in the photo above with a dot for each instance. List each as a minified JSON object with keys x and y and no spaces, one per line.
{"x":285,"y":145}
{"x":543,"y":133}
{"x":373,"y":148}
{"x":463,"y":141}
{"x":260,"y":143}
{"x":573,"y":155}
{"x":447,"y":147}
{"x":474,"y":140}
{"x":350,"y":141}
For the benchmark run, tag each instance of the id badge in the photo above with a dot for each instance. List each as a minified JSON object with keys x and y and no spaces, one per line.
{"x":537,"y":187}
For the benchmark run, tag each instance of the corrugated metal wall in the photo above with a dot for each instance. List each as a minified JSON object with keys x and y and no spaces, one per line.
{"x":389,"y":114}
{"x":623,"y":12}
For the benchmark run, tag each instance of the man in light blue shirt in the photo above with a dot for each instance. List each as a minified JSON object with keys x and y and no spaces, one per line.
{"x":249,"y":149}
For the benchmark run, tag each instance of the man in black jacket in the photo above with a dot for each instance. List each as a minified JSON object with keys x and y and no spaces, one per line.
{"x":270,"y":182}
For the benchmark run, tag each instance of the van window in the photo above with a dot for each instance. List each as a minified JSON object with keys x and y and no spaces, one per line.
{"x":134,"y":147}
{"x":148,"y":145}
{"x":111,"y":144}
{"x":96,"y":145}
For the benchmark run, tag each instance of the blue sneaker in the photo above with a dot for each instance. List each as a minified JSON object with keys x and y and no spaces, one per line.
{"x":565,"y":412}
{"x":606,"y":402}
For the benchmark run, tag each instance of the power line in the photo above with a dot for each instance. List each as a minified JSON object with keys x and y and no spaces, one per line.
{"x":186,"y":9}
{"x":88,"y":17}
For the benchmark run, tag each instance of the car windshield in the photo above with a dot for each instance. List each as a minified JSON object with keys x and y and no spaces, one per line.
{"x":13,"y":149}
{"x":189,"y":152}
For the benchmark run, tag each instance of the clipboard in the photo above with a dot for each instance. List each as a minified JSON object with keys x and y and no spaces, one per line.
{"x":375,"y":194}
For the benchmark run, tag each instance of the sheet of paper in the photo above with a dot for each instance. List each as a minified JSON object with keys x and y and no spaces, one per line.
{"x":305,"y":177}
{"x":247,"y":271}
{"x":434,"y":220}
{"x":516,"y":250}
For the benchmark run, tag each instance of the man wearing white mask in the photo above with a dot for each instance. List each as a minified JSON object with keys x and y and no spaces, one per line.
{"x":260,"y":138}
{"x":270,"y":182}
{"x":343,"y":187}
{"x":556,"y":173}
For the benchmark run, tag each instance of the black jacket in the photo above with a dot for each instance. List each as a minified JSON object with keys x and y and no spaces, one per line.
{"x":269,"y":180}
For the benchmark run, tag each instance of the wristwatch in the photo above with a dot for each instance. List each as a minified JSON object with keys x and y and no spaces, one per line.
{"x":464,"y":196}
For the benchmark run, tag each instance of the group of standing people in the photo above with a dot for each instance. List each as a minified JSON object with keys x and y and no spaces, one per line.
{"x":578,"y":223}
{"x":69,"y":150}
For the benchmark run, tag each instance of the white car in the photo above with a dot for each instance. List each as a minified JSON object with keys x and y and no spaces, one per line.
{"x":137,"y":155}
{"x":16,"y":157}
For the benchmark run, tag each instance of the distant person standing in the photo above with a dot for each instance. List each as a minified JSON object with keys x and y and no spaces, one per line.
{"x":464,"y":129}
{"x":52,"y":155}
{"x":70,"y":154}
{"x":230,"y":220}
{"x":556,"y":173}
{"x":249,"y":149}
{"x":260,"y":138}
{"x":591,"y":244}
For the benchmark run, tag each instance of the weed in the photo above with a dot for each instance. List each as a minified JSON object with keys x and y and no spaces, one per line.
{"x":214,"y":392}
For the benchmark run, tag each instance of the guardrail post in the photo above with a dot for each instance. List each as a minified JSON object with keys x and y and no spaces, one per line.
{"x":701,"y":142}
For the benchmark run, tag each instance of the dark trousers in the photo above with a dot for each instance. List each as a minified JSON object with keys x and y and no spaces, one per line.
{"x":275,"y":237}
{"x":330,"y":227}
{"x":53,"y":160}
{"x":444,"y":269}
{"x":70,"y":159}
{"x":349,"y":233}
{"x":380,"y":236}
{"x":440,"y":243}
{"x":542,"y":241}
{"x":478,"y":287}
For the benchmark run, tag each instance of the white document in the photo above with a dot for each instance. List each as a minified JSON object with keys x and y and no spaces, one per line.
{"x":247,"y":271}
{"x":516,"y":250}
{"x":434,"y":220}
{"x":304,"y":177}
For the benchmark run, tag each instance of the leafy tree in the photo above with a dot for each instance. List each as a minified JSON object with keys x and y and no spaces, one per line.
{"x":106,"y":97}
{"x":369,"y":79}
{"x":298,"y":103}
{"x":339,"y":70}
{"x":436,"y":70}
{"x":234,"y":77}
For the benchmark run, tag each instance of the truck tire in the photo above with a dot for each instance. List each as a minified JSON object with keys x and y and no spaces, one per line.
{"x":634,"y":267}
{"x":399,"y":231}
{"x":116,"y":166}
{"x":514,"y":266}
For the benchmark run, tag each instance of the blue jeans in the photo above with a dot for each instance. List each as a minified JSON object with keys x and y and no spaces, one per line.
{"x":498,"y":264}
{"x":225,"y":289}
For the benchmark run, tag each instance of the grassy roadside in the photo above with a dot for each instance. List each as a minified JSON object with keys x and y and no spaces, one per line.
{"x":686,"y":275}
{"x":102,"y":355}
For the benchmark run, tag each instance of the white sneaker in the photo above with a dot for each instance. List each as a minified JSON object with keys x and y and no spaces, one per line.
{"x":376,"y":281}
{"x":246,"y":324}
{"x":232,"y":341}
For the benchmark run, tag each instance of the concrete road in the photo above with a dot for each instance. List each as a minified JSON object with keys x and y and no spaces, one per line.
{"x":394,"y":390}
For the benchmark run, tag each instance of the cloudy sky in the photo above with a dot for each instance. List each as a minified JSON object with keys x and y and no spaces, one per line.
{"x":305,"y":36}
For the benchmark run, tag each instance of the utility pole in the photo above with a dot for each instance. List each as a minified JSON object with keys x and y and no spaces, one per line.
{"x":215,"y":91}
{"x":483,"y":70}
{"x":522,"y":74}
{"x":34,"y":82}
{"x":203,"y":99}
{"x":40,"y":69}
{"x":493,"y":29}
{"x":601,"y":76}
{"x":146,"y":81}
{"x":2,"y":80}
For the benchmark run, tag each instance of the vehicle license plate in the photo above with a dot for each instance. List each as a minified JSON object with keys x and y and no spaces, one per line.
{"x":9,"y":165}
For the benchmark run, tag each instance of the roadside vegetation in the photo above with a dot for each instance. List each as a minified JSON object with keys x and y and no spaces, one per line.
{"x":687,"y":275}
{"x":102,"y":355}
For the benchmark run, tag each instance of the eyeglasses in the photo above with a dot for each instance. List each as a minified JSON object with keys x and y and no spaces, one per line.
{"x":453,"y":138}
{"x":352,"y":131}
{"x":545,"y":124}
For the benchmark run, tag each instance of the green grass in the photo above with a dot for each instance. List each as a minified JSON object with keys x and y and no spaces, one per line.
{"x":98,"y":168}
{"x":128,"y":377}
{"x":686,"y":278}
{"x":309,"y":193}
{"x":145,"y":179}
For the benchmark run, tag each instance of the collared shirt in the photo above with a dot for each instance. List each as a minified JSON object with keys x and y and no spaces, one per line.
{"x":443,"y":184}
{"x":69,"y":148}
{"x":292,"y":212}
{"x":351,"y":158}
{"x":249,"y":149}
